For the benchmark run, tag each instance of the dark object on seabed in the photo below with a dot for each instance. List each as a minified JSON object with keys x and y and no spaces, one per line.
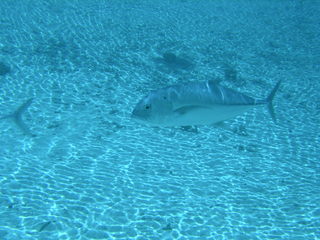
{"x":4,"y":69}
{"x":169,"y":57}
{"x":45,"y":225}
{"x":172,"y":61}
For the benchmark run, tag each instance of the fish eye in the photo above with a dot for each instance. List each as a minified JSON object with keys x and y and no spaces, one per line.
{"x":147,"y":106}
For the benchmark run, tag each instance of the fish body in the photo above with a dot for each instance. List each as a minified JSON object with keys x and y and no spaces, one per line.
{"x":195,"y":103}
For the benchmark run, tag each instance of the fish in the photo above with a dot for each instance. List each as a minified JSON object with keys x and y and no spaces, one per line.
{"x":16,"y":116}
{"x":196,"y":104}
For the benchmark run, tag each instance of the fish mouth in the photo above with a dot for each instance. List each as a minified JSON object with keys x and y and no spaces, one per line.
{"x":134,"y":114}
{"x":136,"y":117}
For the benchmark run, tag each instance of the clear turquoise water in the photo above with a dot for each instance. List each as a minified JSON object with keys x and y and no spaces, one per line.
{"x":90,"y":172}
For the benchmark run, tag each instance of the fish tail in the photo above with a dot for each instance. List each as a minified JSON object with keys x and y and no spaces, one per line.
{"x":17,"y":117}
{"x":269,"y":100}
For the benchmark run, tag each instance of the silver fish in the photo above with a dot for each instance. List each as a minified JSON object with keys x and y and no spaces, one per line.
{"x":196,"y":103}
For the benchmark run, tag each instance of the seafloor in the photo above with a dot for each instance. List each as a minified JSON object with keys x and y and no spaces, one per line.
{"x":87,"y":171}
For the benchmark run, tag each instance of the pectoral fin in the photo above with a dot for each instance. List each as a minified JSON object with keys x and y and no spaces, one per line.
{"x":189,"y":109}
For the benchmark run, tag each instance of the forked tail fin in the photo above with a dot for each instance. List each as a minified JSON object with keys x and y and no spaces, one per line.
{"x":269,"y":100}
{"x":17,"y":117}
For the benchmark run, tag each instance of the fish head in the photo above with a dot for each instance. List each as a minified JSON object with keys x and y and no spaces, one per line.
{"x":153,"y":109}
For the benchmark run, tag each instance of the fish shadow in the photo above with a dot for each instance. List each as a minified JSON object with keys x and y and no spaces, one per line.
{"x":173,"y":62}
{"x":4,"y":69}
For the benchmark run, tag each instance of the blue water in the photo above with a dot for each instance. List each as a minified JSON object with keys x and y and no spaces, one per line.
{"x":86,"y":170}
